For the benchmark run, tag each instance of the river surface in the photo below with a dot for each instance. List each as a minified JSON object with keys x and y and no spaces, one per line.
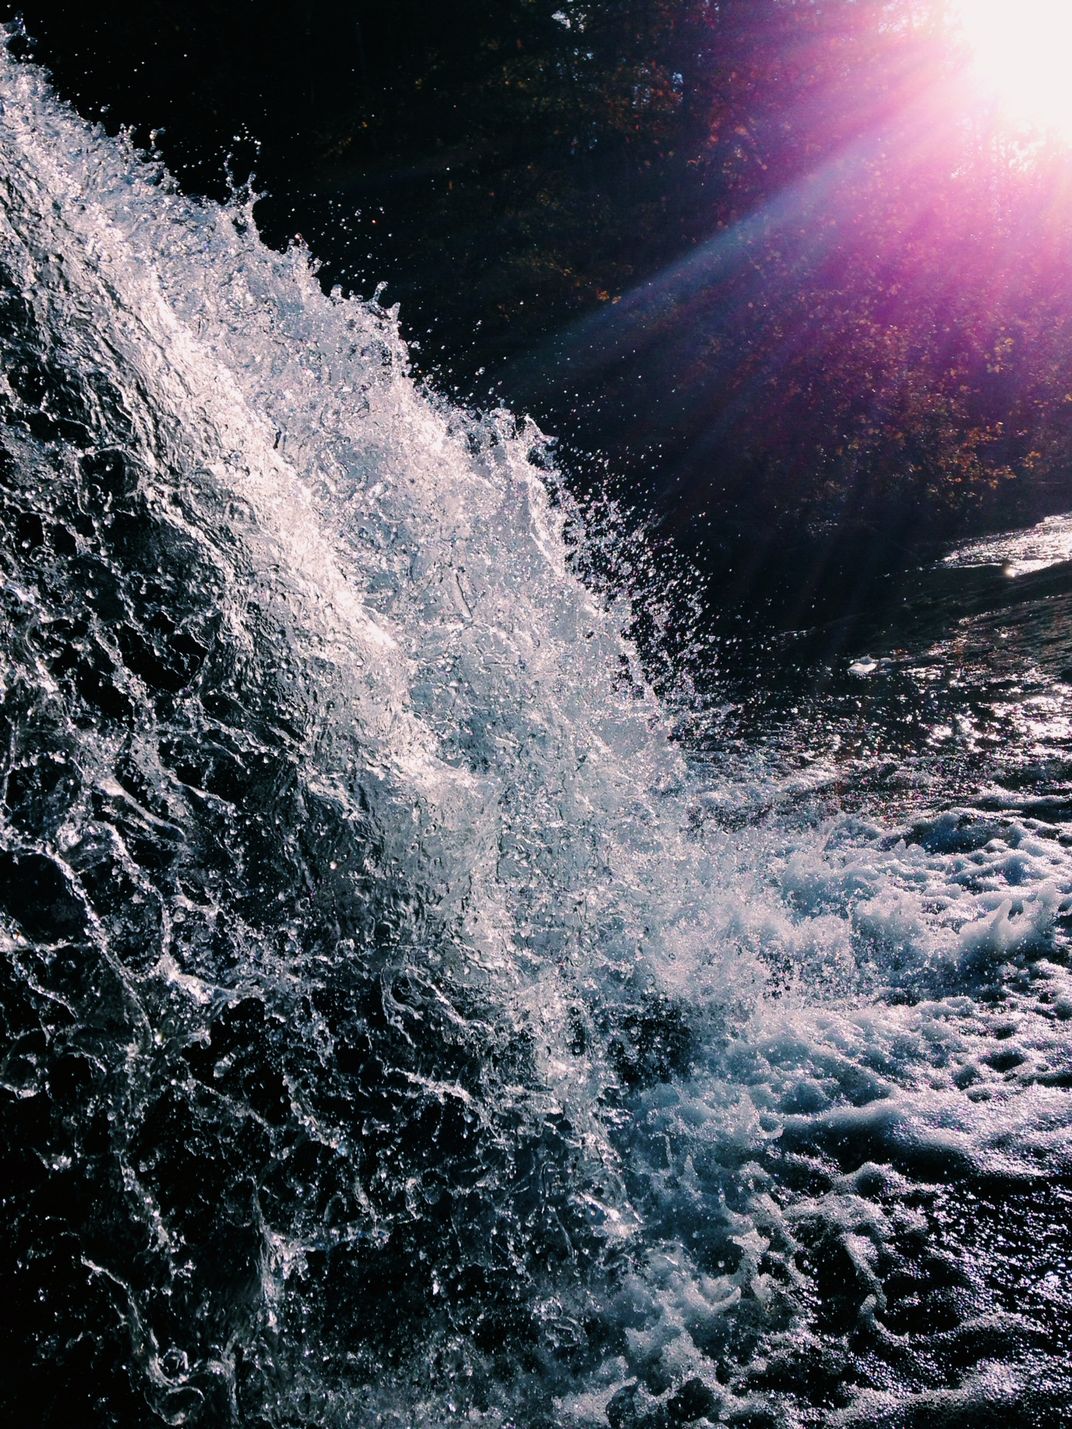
{"x":409,"y":1019}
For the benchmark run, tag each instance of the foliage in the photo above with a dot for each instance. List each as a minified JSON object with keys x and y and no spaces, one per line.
{"x":767,"y":257}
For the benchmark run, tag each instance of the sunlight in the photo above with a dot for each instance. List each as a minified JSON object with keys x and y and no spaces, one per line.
{"x":1022,"y":51}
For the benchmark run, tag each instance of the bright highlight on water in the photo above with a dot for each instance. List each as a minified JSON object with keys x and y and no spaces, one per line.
{"x":401,"y":1027}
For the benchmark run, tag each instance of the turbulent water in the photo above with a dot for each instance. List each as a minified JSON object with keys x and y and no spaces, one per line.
{"x":401,"y":1027}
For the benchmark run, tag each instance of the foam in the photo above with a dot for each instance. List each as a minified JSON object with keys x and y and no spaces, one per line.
{"x":582,"y":1060}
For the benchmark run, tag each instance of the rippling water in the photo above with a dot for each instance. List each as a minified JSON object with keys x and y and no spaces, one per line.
{"x":401,"y":1025}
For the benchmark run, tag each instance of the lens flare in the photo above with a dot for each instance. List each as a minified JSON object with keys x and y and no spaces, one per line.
{"x":1021,"y":56}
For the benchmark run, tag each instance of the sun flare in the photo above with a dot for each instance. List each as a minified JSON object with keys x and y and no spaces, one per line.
{"x":1022,"y":57}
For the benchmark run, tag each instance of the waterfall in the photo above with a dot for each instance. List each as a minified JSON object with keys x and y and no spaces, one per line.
{"x":397,"y":1031}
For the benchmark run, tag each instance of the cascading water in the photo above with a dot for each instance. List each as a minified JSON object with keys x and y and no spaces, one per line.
{"x":398,"y":1028}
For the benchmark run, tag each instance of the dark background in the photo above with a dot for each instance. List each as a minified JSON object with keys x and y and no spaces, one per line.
{"x":701,"y":242}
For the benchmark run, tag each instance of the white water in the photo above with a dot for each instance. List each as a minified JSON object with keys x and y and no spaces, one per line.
{"x":1018,"y":553}
{"x":747,"y":1043}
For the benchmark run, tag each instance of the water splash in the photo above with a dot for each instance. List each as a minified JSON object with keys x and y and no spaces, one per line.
{"x":396,"y":1029}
